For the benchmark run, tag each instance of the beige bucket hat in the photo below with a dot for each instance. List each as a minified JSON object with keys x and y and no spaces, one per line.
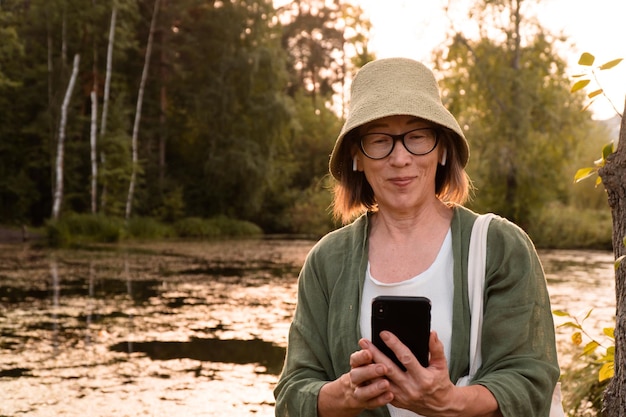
{"x":395,"y":86}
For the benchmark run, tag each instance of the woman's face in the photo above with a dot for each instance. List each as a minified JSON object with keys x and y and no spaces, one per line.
{"x":401,"y":181}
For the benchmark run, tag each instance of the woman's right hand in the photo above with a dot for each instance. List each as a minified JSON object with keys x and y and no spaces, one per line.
{"x":364,"y":387}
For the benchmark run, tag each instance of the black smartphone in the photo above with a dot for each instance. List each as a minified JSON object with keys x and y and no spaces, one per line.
{"x":408,"y":318}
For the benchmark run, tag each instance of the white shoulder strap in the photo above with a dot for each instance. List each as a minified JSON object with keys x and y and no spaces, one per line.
{"x":476,"y":287}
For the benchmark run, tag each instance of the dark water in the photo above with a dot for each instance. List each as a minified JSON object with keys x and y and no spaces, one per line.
{"x":193,"y":329}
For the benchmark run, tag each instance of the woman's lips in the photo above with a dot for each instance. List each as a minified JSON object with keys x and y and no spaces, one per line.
{"x":401,"y":181}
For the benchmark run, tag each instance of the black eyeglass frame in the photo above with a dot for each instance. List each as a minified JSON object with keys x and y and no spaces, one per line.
{"x":401,"y":137}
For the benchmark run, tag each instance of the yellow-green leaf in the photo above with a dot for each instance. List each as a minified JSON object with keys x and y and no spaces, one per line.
{"x":611,"y":64}
{"x":571,"y":324}
{"x":607,"y":150}
{"x":561,"y":313}
{"x":610,"y":354}
{"x":586,"y":59}
{"x":598,"y":181}
{"x":595,"y":93}
{"x":583,"y":173}
{"x":590,"y":347}
{"x":579,"y":85}
{"x":580,"y":75}
{"x":609,"y":331}
{"x":577,"y":338}
{"x":618,"y":262}
{"x":606,"y":372}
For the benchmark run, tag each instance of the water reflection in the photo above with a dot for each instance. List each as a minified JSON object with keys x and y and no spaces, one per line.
{"x":212,"y":350}
{"x":180,"y":328}
{"x":56,"y":292}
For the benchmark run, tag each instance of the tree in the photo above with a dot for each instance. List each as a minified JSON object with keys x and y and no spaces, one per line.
{"x":510,"y":94}
{"x":14,"y":156}
{"x":611,"y":169}
{"x":227,"y":103}
{"x":613,"y":174}
{"x":142,"y":85}
{"x":59,"y":168}
{"x":320,"y":38}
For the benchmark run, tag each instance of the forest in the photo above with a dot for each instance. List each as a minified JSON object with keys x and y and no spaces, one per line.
{"x":228,"y":109}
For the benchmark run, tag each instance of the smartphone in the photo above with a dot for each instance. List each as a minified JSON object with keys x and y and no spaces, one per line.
{"x":408,"y":318}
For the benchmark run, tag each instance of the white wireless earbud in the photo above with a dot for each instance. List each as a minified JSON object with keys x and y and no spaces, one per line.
{"x":354,"y":164}
{"x":444,"y":157}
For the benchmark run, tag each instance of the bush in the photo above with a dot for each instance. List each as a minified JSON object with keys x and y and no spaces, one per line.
{"x":234,"y":228}
{"x":215,"y":227}
{"x":147,"y":228}
{"x":563,"y":227}
{"x":75,"y":229}
{"x":311,"y":214}
{"x":81,"y":228}
{"x":57,"y":234}
{"x":195,"y":227}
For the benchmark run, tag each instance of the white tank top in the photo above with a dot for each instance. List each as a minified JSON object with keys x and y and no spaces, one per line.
{"x":436,"y":283}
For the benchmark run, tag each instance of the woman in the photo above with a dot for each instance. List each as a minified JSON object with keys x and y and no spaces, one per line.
{"x":400,"y":158}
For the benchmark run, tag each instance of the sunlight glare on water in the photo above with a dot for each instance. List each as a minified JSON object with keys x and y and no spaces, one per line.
{"x":194,"y":329}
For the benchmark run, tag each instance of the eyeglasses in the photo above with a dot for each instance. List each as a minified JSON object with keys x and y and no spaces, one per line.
{"x":420,"y":141}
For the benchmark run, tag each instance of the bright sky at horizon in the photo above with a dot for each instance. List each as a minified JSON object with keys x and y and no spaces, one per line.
{"x":413,"y":28}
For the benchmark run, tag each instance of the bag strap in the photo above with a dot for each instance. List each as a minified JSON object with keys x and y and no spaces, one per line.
{"x":476,"y":286}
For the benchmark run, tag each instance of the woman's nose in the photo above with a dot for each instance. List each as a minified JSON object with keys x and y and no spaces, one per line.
{"x":400,"y":155}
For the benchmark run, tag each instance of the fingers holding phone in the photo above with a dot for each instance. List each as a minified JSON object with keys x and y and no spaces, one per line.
{"x":368,"y":384}
{"x":419,"y":389}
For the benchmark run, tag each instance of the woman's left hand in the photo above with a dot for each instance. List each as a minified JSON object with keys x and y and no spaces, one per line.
{"x":429,"y":391}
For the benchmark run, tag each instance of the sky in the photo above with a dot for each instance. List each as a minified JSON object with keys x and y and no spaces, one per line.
{"x":413,"y":28}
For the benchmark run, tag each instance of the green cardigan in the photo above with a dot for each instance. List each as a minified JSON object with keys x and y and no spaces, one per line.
{"x":519,"y":355}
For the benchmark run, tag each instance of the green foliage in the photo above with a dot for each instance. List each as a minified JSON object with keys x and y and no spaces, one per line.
{"x":557,"y":226}
{"x":11,"y":52}
{"x":75,"y":229}
{"x":584,"y":173}
{"x":80,"y":229}
{"x":228,"y":106}
{"x":216,"y":227}
{"x":147,"y":228}
{"x":310,"y":214}
{"x":114,"y":159}
{"x":173,"y":207}
{"x":220,"y":132}
{"x":587,"y":377}
{"x":195,"y":227}
{"x":510,"y":96}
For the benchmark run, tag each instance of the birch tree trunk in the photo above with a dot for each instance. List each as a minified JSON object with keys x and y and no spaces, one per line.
{"x":94,"y":159}
{"x":105,"y":99}
{"x":58,"y":191}
{"x":613,"y":176}
{"x":107,"y":79}
{"x":163,"y":106}
{"x":144,"y":76}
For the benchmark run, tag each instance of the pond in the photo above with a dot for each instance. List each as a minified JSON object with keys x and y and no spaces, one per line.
{"x":183,"y":328}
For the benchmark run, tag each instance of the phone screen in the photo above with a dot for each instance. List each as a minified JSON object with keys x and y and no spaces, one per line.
{"x":408,"y":318}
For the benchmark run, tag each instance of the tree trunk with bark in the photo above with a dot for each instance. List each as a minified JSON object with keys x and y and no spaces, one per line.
{"x":613,"y":176}
{"x":107,"y":77}
{"x":58,"y":190}
{"x":105,"y":98}
{"x":94,"y":158}
{"x":142,"y":85}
